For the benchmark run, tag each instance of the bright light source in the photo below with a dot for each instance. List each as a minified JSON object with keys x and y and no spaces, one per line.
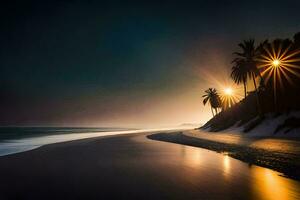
{"x":229,"y":96}
{"x":276,"y":62}
{"x":228,"y":91}
{"x":279,"y":64}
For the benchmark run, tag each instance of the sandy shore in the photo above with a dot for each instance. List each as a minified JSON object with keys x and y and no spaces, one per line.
{"x":135,"y":167}
{"x":280,"y":155}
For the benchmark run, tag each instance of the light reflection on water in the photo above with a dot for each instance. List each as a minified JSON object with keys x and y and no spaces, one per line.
{"x":226,"y":164}
{"x":261,"y":183}
{"x":271,"y":186}
{"x":191,"y":156}
{"x":192,"y":172}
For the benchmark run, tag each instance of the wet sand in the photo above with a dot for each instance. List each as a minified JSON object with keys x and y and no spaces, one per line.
{"x":275,"y":143}
{"x":135,"y":167}
{"x":281,"y":155}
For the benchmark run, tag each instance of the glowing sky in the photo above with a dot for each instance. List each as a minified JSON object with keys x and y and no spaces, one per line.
{"x":124,"y":63}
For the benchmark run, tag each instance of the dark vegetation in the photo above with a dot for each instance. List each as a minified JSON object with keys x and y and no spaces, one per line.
{"x":273,"y":68}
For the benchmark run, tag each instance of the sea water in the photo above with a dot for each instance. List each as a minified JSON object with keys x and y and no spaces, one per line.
{"x":19,"y":139}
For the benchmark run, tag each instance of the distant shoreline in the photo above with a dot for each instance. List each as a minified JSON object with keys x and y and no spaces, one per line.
{"x":288,"y":164}
{"x":26,"y":139}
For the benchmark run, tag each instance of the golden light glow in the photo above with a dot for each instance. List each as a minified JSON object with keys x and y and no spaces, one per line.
{"x":192,"y":156}
{"x":228,"y":91}
{"x":279,"y":63}
{"x":229,"y":96}
{"x":276,"y":63}
{"x":226,"y":164}
{"x":267,"y":184}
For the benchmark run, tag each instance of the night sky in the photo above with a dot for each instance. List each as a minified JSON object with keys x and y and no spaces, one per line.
{"x":124,"y":63}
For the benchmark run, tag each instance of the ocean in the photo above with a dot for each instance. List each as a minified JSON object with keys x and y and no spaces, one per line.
{"x":19,"y":139}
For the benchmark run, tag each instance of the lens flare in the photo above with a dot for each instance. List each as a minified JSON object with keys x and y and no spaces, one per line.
{"x":228,"y":91}
{"x":279,"y":63}
{"x":229,"y":97}
{"x":276,"y":63}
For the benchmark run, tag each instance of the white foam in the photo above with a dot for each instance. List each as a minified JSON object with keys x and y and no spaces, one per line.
{"x":19,"y":145}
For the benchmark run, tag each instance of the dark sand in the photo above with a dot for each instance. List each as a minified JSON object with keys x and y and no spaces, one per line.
{"x":284,"y":160}
{"x":134,"y":167}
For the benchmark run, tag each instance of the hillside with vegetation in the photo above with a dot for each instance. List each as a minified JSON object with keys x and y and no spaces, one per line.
{"x":273,"y":68}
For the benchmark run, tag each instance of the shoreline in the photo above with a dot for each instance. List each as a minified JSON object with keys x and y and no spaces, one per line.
{"x":135,"y":167}
{"x":13,"y":146}
{"x":287,"y":164}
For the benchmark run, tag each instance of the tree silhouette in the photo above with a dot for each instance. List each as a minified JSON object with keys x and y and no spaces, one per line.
{"x":213,"y":98}
{"x":239,"y":74}
{"x":247,"y":60}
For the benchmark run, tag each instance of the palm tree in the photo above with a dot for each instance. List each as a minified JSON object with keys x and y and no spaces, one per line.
{"x":284,"y":52}
{"x":239,"y":74}
{"x":213,"y":98}
{"x":248,"y":58}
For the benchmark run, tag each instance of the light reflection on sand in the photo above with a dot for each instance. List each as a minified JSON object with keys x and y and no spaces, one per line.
{"x":274,"y":144}
{"x":280,"y":145}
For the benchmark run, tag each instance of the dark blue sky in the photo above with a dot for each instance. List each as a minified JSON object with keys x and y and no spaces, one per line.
{"x":123,"y":62}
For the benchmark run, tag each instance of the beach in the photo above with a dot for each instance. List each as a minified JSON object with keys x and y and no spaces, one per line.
{"x":131,"y":166}
{"x":280,"y":154}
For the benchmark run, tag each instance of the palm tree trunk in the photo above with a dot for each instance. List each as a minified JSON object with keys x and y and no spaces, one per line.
{"x":212,"y":111}
{"x":257,"y":97}
{"x":245,"y":89}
